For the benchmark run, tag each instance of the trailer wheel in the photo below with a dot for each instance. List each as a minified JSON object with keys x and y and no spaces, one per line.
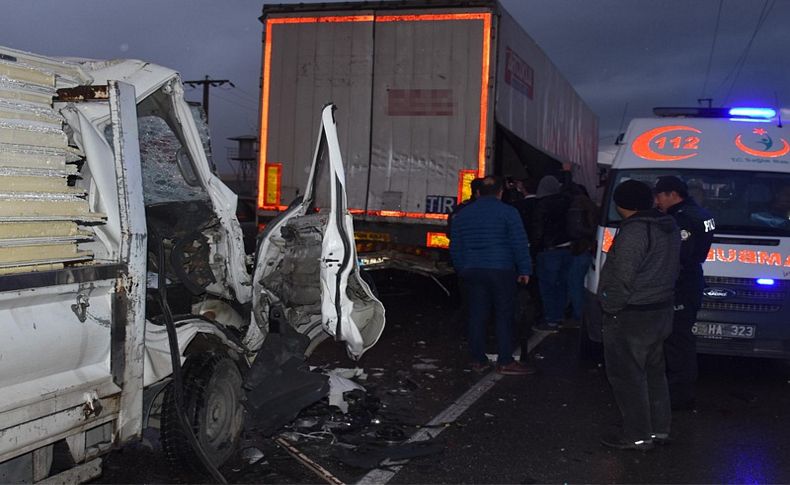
{"x":212,"y":398}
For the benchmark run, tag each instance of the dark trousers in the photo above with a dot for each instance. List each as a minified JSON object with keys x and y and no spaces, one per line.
{"x":553,"y":266}
{"x":634,"y":355}
{"x":680,"y":349}
{"x":580,"y":263}
{"x":485,"y":289}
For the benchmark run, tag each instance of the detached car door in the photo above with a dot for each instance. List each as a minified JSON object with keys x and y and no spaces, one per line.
{"x":307,"y":263}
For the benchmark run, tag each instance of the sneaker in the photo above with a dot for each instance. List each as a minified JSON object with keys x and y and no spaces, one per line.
{"x":571,"y":323}
{"x":551,"y":327}
{"x":515,"y":368}
{"x":661,"y":439}
{"x":620,"y":443}
{"x":480,"y":367}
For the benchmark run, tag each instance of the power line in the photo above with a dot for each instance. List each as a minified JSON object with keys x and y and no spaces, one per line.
{"x":251,"y":109}
{"x":741,"y":61}
{"x":239,"y":96}
{"x":766,"y":11}
{"x":207,"y":83}
{"x":712,"y":49}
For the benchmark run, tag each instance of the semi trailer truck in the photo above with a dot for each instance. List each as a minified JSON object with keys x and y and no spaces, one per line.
{"x":435,"y":94}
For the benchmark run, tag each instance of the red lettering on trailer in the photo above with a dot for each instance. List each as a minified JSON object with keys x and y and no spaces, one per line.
{"x":519,"y":74}
{"x":420,"y":102}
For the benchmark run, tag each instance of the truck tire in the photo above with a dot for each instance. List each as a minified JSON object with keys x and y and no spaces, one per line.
{"x":212,"y":398}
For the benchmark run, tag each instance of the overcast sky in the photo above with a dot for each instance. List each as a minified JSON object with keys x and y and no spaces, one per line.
{"x":622,"y":56}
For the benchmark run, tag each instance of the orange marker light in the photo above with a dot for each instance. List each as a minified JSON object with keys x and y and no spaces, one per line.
{"x":465,"y":178}
{"x":437,"y":240}
{"x":271,"y":185}
{"x":608,"y":239}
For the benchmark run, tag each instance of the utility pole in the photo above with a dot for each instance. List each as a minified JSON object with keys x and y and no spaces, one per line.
{"x":206,"y":84}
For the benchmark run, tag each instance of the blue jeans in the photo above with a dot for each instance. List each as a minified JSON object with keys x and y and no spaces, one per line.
{"x":553,"y":268}
{"x":484,"y":288}
{"x":580,"y":263}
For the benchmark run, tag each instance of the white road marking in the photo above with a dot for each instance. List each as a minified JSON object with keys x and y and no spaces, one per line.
{"x":449,"y":415}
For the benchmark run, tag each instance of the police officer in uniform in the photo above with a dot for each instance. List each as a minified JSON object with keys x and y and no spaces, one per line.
{"x":696,"y":233}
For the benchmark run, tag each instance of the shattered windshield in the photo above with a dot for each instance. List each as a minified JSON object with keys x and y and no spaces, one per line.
{"x":748,"y":203}
{"x":166,"y":168}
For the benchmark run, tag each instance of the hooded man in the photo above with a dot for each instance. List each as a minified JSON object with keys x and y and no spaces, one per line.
{"x":636,"y":291}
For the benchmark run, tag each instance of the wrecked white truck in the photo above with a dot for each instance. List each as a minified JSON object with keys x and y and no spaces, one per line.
{"x":121,"y":260}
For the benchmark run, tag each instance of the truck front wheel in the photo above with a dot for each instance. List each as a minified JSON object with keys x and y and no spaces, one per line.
{"x":212,"y":401}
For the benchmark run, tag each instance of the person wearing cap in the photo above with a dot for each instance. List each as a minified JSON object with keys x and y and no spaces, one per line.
{"x":696,"y":233}
{"x":636,"y":291}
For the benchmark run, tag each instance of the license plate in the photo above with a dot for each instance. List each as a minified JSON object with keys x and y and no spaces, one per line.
{"x":723,"y":330}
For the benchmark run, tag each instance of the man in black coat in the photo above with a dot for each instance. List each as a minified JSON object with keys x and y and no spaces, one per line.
{"x":696,"y":233}
{"x":636,"y":291}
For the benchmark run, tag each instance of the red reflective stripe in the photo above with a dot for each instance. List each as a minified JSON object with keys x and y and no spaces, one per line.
{"x":484,"y":75}
{"x":324,"y":19}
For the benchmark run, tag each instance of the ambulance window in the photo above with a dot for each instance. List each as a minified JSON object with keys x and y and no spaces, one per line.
{"x":743,"y":203}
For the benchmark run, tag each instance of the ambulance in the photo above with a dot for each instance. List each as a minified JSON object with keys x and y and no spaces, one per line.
{"x":736,"y":163}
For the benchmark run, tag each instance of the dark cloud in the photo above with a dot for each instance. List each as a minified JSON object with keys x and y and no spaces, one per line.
{"x":642,"y":52}
{"x":655,"y":53}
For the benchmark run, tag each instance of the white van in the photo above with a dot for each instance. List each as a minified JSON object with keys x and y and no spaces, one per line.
{"x":121,"y":259}
{"x":736,"y":162}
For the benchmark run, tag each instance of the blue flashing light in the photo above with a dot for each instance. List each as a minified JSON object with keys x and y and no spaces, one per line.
{"x":766,"y":281}
{"x":764,"y":113}
{"x":752,"y":120}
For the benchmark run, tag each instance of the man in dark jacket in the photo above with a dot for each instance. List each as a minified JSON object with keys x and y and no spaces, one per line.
{"x":696,"y":233}
{"x":553,"y":252}
{"x":490,"y":253}
{"x":636,"y":291}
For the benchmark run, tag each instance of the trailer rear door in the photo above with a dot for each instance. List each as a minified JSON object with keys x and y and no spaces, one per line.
{"x":410,"y":87}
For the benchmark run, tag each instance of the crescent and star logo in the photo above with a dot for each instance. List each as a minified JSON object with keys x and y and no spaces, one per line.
{"x":661,"y":139}
{"x":767,"y":143}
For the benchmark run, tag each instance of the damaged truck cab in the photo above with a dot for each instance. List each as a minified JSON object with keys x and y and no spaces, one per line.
{"x":114,"y":230}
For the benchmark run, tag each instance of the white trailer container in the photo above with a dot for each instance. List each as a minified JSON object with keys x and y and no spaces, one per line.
{"x":107,"y":204}
{"x":433,"y":94}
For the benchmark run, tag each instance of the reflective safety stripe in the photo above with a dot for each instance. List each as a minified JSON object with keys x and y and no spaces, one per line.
{"x":465,"y":178}
{"x":271,"y":185}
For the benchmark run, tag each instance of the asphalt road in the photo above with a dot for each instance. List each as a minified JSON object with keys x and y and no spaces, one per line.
{"x":537,"y":429}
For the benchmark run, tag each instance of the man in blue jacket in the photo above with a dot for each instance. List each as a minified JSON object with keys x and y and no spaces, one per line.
{"x":490,"y":253}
